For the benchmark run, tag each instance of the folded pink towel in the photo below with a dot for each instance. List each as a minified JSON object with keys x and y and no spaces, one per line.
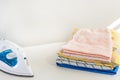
{"x":93,"y":43}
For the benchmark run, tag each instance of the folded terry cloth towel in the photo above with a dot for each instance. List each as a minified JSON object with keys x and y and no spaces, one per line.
{"x":94,"y":48}
{"x":93,"y":43}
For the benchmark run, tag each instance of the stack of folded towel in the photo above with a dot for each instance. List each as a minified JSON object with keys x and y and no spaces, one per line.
{"x":91,"y":50}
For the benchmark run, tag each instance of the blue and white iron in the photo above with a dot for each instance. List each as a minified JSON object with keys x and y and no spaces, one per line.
{"x":13,"y":59}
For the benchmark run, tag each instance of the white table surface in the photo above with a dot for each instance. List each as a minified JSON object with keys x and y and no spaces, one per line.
{"x":42,"y":60}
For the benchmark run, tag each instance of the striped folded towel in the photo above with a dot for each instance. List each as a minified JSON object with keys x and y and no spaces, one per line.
{"x":86,"y":66}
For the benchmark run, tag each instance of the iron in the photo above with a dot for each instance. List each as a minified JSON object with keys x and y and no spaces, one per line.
{"x":13,"y":59}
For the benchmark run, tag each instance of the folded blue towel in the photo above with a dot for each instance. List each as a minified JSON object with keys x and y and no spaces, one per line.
{"x":110,"y":72}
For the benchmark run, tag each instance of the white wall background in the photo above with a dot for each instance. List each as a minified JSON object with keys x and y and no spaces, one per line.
{"x":31,"y":22}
